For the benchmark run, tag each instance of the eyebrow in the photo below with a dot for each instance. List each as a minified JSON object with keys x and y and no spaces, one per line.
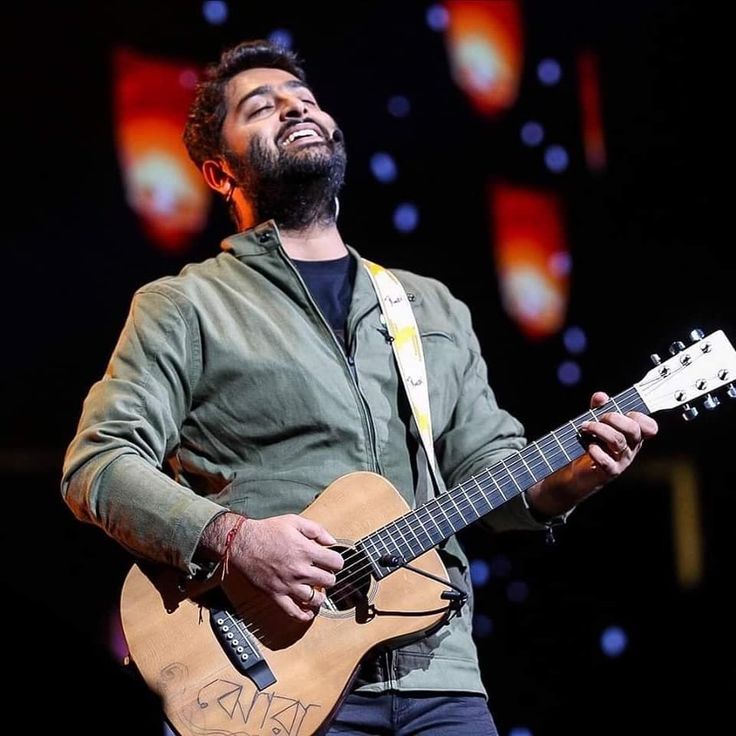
{"x":265,"y":89}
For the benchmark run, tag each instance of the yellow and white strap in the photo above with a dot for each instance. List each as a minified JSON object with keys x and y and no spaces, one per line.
{"x":407,"y":346}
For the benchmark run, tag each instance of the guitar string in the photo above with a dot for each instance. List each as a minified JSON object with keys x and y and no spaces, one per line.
{"x":513,"y":463}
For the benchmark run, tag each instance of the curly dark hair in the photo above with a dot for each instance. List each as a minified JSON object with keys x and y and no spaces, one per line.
{"x":202,"y":132}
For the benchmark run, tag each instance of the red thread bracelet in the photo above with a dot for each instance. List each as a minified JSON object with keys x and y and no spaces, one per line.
{"x":225,"y":557}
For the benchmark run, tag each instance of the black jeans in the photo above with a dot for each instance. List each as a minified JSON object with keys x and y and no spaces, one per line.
{"x":431,"y":714}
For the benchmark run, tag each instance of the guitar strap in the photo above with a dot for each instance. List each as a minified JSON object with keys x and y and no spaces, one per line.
{"x":399,"y":320}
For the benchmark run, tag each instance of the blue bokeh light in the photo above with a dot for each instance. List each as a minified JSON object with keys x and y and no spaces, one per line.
{"x":532,"y":133}
{"x":549,"y":71}
{"x":399,"y":106}
{"x":520,"y":731}
{"x":383,"y":166}
{"x":614,"y":641}
{"x":575,"y":340}
{"x":406,"y":217}
{"x":215,"y":11}
{"x":281,"y":37}
{"x":556,"y":158}
{"x":437,"y":17}
{"x":480,"y":572}
{"x":568,"y":373}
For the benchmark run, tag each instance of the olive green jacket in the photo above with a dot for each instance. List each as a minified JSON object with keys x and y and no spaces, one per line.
{"x":228,"y":390}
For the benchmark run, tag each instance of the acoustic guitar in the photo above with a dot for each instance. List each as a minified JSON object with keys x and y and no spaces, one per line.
{"x":224,"y":659}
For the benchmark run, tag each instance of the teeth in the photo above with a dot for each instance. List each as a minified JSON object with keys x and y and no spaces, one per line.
{"x":299,"y":134}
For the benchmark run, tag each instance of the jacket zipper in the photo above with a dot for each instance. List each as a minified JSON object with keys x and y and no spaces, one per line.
{"x":348,"y":362}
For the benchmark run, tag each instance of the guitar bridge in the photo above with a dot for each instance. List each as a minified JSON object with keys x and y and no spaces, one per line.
{"x":245,"y":656}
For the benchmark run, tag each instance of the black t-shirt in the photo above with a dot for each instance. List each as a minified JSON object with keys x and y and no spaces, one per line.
{"x":331,"y":286}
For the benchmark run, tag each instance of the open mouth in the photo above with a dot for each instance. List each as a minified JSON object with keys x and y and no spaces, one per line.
{"x":301,"y":135}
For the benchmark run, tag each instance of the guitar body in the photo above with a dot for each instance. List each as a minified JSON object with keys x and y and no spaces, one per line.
{"x":173,"y":645}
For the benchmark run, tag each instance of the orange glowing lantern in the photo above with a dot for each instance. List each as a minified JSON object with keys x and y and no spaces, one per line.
{"x":162,"y":185}
{"x":590,"y":109}
{"x":485,"y":46}
{"x":532,"y":258}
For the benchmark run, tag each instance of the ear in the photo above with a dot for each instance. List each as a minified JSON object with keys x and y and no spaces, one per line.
{"x":217,"y":178}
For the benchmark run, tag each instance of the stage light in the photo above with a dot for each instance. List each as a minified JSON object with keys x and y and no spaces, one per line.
{"x":215,"y":12}
{"x":575,"y":340}
{"x":614,"y":641}
{"x":485,"y":46}
{"x":520,"y":731}
{"x":549,"y":72}
{"x":406,"y":217}
{"x":480,"y":572}
{"x":532,"y":133}
{"x":556,"y":158}
{"x":437,"y":17}
{"x":162,"y":186}
{"x":528,"y":238}
{"x":399,"y":106}
{"x":568,"y":373}
{"x":383,"y":167}
{"x":281,"y":37}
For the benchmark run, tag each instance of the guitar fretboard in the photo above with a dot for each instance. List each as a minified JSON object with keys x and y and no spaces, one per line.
{"x":426,"y":526}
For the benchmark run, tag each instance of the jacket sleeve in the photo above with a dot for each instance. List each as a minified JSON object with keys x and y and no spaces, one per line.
{"x":130,"y":422}
{"x":480,"y":433}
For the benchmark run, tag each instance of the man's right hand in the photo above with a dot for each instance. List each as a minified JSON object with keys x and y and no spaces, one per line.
{"x":285,"y":556}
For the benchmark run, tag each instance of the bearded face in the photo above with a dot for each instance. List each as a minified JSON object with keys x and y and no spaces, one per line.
{"x":295,"y":178}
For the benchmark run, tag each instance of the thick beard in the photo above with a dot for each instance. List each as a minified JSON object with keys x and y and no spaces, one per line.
{"x":296,"y":188}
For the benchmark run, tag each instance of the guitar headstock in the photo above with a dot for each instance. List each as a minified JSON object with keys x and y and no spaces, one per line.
{"x":699,"y":369}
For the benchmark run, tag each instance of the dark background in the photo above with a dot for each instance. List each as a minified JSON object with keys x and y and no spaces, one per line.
{"x":652,"y":246}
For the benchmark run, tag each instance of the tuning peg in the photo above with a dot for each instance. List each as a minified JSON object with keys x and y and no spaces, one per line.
{"x":676,"y":347}
{"x":731,"y":392}
{"x":711,"y":402}
{"x":696,"y":334}
{"x":655,"y":359}
{"x":689,"y":413}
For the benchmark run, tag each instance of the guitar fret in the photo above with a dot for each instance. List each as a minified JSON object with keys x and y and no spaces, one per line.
{"x":470,"y":500}
{"x":503,"y":462}
{"x":450,"y":496}
{"x":544,"y":457}
{"x":615,"y":403}
{"x":396,"y":526}
{"x":424,"y":528}
{"x":521,"y":455}
{"x":428,"y":508}
{"x":498,"y":486}
{"x":414,"y":534}
{"x":564,"y":452}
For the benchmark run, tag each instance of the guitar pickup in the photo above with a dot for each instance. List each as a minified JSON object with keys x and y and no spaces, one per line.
{"x":232,"y":635}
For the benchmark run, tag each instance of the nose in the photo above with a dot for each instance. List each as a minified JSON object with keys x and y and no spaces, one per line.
{"x":292,"y":107}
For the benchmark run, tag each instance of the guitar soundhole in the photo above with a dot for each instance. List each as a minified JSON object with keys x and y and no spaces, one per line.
{"x":353,"y":582}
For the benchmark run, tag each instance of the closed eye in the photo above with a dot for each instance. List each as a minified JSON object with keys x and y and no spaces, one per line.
{"x":259,"y":110}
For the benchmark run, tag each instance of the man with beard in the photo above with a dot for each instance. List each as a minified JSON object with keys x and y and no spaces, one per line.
{"x":245,"y":385}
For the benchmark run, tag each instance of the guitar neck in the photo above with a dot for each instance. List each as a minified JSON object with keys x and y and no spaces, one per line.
{"x":431,"y":523}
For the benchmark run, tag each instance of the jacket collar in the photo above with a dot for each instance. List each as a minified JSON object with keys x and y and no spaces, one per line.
{"x":265,"y":238}
{"x":253,"y":242}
